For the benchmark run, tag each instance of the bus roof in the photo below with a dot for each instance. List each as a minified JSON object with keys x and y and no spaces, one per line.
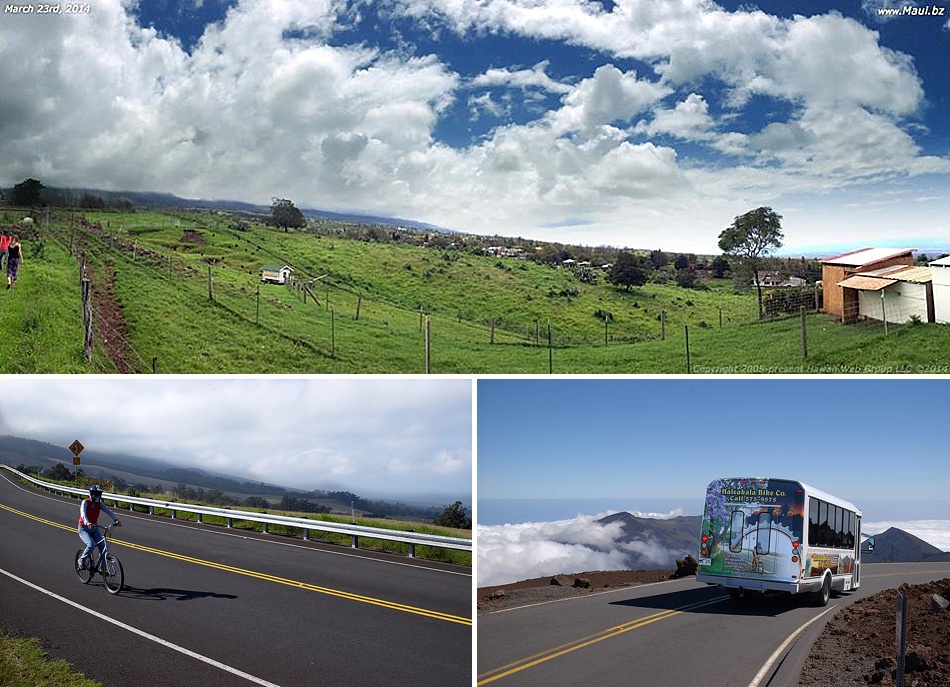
{"x":810,"y":490}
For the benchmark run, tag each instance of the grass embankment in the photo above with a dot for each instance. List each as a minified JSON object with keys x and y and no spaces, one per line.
{"x":189,"y":290}
{"x":24,"y":664}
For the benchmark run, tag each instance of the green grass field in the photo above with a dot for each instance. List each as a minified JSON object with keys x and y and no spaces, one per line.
{"x":188,"y":297}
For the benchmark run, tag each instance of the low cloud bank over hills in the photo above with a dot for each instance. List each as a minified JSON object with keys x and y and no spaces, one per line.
{"x":627,"y":541}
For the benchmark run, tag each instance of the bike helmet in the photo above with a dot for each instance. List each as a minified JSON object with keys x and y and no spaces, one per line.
{"x":95,"y":492}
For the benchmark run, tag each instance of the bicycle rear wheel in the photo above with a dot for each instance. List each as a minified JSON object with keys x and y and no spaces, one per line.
{"x":114,"y":576}
{"x":85,"y":574}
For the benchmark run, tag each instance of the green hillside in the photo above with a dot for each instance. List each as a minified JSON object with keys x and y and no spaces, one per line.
{"x":180,"y":292}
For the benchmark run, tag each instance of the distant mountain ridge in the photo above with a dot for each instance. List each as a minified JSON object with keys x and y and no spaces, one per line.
{"x":152,"y":199}
{"x":655,"y":544}
{"x":897,"y":546}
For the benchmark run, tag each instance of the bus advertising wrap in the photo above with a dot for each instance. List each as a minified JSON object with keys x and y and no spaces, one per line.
{"x":752,"y":528}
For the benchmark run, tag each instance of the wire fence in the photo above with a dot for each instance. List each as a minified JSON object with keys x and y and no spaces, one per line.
{"x":333,"y":319}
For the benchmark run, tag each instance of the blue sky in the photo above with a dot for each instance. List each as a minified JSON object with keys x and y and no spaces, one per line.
{"x":654,"y":445}
{"x":638,"y":123}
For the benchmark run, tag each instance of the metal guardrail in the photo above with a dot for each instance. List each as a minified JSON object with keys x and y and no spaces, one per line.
{"x":412,"y":539}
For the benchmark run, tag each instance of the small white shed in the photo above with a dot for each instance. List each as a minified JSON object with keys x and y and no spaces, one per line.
{"x":940,"y":273}
{"x":898,"y":293}
{"x":275,"y":274}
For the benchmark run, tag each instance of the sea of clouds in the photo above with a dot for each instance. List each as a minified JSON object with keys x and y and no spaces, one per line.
{"x":509,"y":553}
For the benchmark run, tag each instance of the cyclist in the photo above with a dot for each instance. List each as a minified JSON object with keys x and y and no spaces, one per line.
{"x":88,"y":531}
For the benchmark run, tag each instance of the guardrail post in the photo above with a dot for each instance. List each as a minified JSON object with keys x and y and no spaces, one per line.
{"x":229,"y":522}
{"x":356,"y":542}
{"x":151,"y":510}
{"x":412,"y":550}
{"x":199,"y":517}
{"x":173,"y":513}
{"x":306,"y":534}
{"x":264,"y":524}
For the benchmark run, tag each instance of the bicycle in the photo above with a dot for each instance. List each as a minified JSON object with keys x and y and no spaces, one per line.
{"x":112,"y":575}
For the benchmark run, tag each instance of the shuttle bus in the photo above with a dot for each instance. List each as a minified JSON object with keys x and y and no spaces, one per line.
{"x":764,"y":534}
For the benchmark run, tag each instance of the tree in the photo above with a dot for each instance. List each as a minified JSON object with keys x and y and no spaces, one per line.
{"x":751,"y":237}
{"x":27,"y":193}
{"x":59,"y":471}
{"x":455,"y":516}
{"x":659,"y":259}
{"x":720,"y":266}
{"x":627,"y":271}
{"x":256,"y":502}
{"x":285,"y":214}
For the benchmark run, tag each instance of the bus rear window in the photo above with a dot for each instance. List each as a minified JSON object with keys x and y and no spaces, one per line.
{"x":735,"y":536}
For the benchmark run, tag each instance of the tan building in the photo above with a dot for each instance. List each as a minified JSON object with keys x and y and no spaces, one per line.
{"x":844,"y":302}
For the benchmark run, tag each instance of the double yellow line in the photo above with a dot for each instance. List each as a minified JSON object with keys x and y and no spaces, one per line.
{"x":536,"y":659}
{"x":392,"y":605}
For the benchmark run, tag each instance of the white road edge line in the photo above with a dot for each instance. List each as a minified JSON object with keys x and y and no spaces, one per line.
{"x":778,"y":652}
{"x":146,"y":635}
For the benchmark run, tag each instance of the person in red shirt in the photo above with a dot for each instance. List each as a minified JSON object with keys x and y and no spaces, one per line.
{"x":4,"y":243}
{"x":88,"y":529}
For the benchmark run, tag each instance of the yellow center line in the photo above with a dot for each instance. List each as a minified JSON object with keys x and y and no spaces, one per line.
{"x":544,"y":656}
{"x":437,"y":615}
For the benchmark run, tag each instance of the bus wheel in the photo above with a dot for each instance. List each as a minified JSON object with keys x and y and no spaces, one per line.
{"x":822,"y":596}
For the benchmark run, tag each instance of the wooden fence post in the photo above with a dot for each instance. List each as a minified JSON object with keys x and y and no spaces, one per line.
{"x":804,"y":334}
{"x":428,"y":346}
{"x":688,"y":367}
{"x":210,"y":285}
{"x":87,"y":319}
{"x":359,"y":303}
{"x":493,"y":331}
{"x":550,"y":351}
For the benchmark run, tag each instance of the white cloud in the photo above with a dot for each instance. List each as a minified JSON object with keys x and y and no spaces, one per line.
{"x":609,"y":95}
{"x":536,"y":77}
{"x":689,"y":120}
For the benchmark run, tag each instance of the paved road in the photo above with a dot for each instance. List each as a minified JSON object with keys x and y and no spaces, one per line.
{"x":266,"y":609}
{"x":670,"y":633}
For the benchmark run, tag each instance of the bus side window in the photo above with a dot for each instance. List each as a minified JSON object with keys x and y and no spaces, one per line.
{"x":735,"y":536}
{"x":823,"y":527}
{"x":813,"y":522}
{"x":839,"y":526}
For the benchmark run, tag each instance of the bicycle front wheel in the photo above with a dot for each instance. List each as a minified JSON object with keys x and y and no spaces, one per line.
{"x":113,"y":575}
{"x":85,"y":574}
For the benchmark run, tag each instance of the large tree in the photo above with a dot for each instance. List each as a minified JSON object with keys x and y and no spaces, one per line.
{"x":628,"y":270}
{"x":285,"y":214}
{"x":27,"y":193}
{"x":750,"y":238}
{"x":455,"y":516}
